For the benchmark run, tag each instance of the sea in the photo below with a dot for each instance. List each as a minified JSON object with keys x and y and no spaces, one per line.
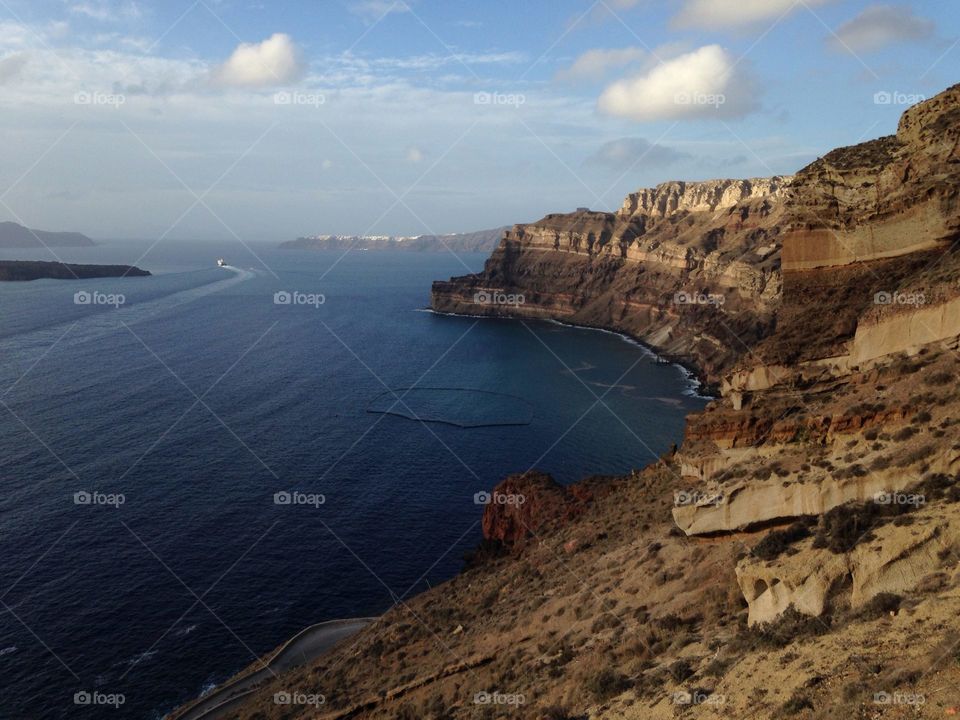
{"x":198,"y":464}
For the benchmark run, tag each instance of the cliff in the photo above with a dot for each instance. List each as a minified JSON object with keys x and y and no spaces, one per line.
{"x":799,"y":554}
{"x":13,"y":235}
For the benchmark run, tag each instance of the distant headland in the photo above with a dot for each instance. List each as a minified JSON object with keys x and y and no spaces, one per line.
{"x":481,"y":241}
{"x":18,"y":270}
{"x":14,"y":235}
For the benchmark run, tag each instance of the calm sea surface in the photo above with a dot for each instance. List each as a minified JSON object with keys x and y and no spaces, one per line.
{"x":142,"y":448}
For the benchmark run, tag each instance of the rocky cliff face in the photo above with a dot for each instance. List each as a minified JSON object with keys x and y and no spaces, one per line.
{"x":686,"y":267}
{"x":799,"y":555}
{"x":797,"y":296}
{"x":885,"y":198}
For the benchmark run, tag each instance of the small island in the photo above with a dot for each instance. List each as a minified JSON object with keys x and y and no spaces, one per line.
{"x":21,"y":270}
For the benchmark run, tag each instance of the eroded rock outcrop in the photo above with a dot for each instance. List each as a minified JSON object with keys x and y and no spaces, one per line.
{"x":522,"y":504}
{"x":895,"y":559}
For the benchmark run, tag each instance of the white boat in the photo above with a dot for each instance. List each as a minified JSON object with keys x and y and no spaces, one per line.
{"x":221,"y":262}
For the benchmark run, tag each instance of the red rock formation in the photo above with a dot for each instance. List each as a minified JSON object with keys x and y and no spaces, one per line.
{"x":522,"y":504}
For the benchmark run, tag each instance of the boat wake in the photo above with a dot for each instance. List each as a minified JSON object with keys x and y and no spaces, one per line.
{"x":21,"y":347}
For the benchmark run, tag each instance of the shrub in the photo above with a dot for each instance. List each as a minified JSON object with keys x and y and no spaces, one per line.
{"x":606,"y":683}
{"x":680,"y":670}
{"x":904,"y":434}
{"x":777,"y":542}
{"x":880,"y":604}
{"x":797,"y":703}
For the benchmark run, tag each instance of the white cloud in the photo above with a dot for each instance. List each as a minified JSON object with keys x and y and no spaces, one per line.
{"x":712,"y":14}
{"x":375,"y":10}
{"x":595,"y":64}
{"x":274,"y":61}
{"x":706,"y":83}
{"x":105,"y":11}
{"x":882,"y":25}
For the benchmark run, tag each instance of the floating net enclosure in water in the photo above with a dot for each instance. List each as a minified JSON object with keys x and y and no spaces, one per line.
{"x":460,"y":407}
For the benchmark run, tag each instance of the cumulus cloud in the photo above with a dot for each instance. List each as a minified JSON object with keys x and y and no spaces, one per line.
{"x":712,"y":14}
{"x":595,"y":64}
{"x":705,"y":83}
{"x":626,"y":153}
{"x":882,"y":25}
{"x":274,"y":61}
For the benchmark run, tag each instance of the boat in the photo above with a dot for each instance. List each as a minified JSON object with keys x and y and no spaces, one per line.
{"x":221,"y":262}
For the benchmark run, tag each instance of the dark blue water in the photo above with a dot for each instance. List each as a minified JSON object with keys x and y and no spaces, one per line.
{"x":200,"y":398}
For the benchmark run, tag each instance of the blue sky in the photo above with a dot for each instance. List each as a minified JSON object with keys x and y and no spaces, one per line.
{"x":212,"y":119}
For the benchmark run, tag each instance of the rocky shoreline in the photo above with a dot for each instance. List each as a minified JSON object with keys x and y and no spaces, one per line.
{"x":799,"y":553}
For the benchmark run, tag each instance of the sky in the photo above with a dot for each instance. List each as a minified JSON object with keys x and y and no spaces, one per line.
{"x":264,"y":121}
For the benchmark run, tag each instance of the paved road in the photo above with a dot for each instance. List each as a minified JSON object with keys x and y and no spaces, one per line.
{"x":299,"y":650}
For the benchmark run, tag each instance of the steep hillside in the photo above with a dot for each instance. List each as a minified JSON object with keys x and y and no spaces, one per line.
{"x":799,"y":555}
